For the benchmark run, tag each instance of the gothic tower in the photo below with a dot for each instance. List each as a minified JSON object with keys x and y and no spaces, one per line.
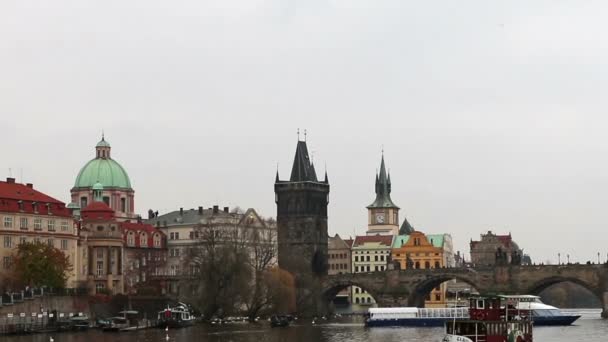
{"x":383,"y":214}
{"x":302,"y":228}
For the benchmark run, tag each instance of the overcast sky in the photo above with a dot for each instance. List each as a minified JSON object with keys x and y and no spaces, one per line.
{"x":492,"y":113}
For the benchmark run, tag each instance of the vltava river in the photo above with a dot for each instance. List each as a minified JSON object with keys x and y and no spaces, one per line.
{"x":590,"y":328}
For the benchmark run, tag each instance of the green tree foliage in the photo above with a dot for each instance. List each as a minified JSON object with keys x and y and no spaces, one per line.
{"x":38,"y":264}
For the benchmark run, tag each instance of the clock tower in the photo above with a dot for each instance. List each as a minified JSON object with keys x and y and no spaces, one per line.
{"x":383,"y":214}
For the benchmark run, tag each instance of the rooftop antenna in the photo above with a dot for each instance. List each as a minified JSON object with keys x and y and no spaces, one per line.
{"x":298,"y":134}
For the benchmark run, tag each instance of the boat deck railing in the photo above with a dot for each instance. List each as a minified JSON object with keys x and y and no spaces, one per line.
{"x":460,"y":312}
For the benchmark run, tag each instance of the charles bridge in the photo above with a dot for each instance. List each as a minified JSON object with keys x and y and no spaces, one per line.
{"x":410,"y":287}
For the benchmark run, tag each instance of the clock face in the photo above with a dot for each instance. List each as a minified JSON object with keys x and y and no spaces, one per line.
{"x":380,"y":218}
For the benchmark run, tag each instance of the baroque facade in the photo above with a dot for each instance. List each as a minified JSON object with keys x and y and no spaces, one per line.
{"x":117,"y":192}
{"x":420,"y":251}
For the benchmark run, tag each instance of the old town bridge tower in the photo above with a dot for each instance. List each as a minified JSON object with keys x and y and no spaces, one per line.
{"x":302,"y":229}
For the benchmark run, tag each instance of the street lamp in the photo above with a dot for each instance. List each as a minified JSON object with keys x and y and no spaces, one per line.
{"x":559,"y":258}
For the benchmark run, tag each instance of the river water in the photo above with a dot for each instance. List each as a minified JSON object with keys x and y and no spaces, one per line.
{"x":589,"y":328}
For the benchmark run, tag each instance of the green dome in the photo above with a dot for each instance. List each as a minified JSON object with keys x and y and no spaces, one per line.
{"x":105,"y":171}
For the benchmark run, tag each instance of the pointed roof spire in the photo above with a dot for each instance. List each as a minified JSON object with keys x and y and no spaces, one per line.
{"x":383,"y":188}
{"x":302,"y":170}
{"x":406,"y":228}
{"x":276,"y":180}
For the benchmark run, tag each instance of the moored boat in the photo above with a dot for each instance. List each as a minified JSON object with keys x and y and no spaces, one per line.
{"x":542,"y":314}
{"x":176,"y":317}
{"x":493,"y":319}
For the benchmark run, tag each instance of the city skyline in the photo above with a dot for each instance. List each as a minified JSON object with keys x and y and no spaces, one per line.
{"x":491,"y":117}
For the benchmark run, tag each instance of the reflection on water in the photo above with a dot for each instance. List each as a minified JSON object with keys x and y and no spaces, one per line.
{"x":590,"y":328}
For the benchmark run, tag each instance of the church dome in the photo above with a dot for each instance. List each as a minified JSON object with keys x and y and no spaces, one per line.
{"x":104,"y":170}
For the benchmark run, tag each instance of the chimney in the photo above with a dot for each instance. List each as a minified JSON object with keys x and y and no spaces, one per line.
{"x":200,"y":210}
{"x":226,"y":209}
{"x":181,"y":211}
{"x":30,"y":185}
{"x":10,"y":180}
{"x":216,"y":209}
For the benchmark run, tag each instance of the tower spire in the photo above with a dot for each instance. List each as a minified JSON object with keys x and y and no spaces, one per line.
{"x":383,"y":188}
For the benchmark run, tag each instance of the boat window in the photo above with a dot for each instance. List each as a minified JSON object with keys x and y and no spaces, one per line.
{"x":480,"y":304}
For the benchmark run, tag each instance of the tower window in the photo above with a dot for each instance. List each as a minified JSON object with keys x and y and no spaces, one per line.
{"x":123,"y":205}
{"x":106,"y":200}
{"x":83,"y":202}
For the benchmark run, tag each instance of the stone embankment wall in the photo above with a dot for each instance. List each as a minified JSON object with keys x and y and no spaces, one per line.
{"x":63,"y":304}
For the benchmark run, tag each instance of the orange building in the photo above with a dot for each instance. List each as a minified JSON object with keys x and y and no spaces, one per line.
{"x":421,"y":251}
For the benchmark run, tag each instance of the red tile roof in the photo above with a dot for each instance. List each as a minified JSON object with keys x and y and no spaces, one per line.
{"x":97,"y":211}
{"x":139,"y":228}
{"x":386,"y":240}
{"x":16,"y":197}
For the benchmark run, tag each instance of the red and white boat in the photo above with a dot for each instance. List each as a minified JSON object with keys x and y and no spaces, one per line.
{"x":492,"y":319}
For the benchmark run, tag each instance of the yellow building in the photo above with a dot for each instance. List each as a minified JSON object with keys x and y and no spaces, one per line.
{"x":28,"y":215}
{"x":420,"y":251}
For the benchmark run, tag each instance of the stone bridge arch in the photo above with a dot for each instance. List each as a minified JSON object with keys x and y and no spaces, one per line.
{"x":420,"y":291}
{"x":544,"y":283}
{"x":332,"y":287}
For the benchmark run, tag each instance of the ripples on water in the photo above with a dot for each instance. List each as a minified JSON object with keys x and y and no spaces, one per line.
{"x":589,"y":328}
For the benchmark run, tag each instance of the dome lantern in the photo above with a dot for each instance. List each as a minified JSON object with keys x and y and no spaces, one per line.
{"x":103,"y":148}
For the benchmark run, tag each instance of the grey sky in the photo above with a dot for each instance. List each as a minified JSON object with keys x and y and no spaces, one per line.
{"x":492,"y":113}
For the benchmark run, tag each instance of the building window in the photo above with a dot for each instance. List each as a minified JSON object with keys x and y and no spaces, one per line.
{"x":131,"y":239}
{"x":64,"y":244}
{"x":8,"y":222}
{"x":50,"y":242}
{"x":51,"y":225}
{"x":106,"y":200}
{"x":437,"y":264}
{"x":64,"y":226}
{"x":22,"y":240}
{"x":143,"y":240}
{"x":23,"y":223}
{"x":8,"y":242}
{"x":356,"y":269}
{"x":375,"y":258}
{"x":100,"y":268}
{"x":37,"y":224}
{"x":123,"y":205}
{"x":6,"y":262}
{"x":83,"y":202}
{"x":156,"y":240}
{"x":427,"y":264}
{"x":357,"y":300}
{"x":437,"y":297}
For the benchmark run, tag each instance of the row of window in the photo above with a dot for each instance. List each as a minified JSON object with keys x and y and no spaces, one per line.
{"x":24,"y":224}
{"x":368,"y":252}
{"x":367,"y":300}
{"x":338,"y":266}
{"x":338,"y":256}
{"x":368,"y":258}
{"x":143,"y":240}
{"x":417,"y":254}
{"x":9,"y":242}
{"x":369,"y":269}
